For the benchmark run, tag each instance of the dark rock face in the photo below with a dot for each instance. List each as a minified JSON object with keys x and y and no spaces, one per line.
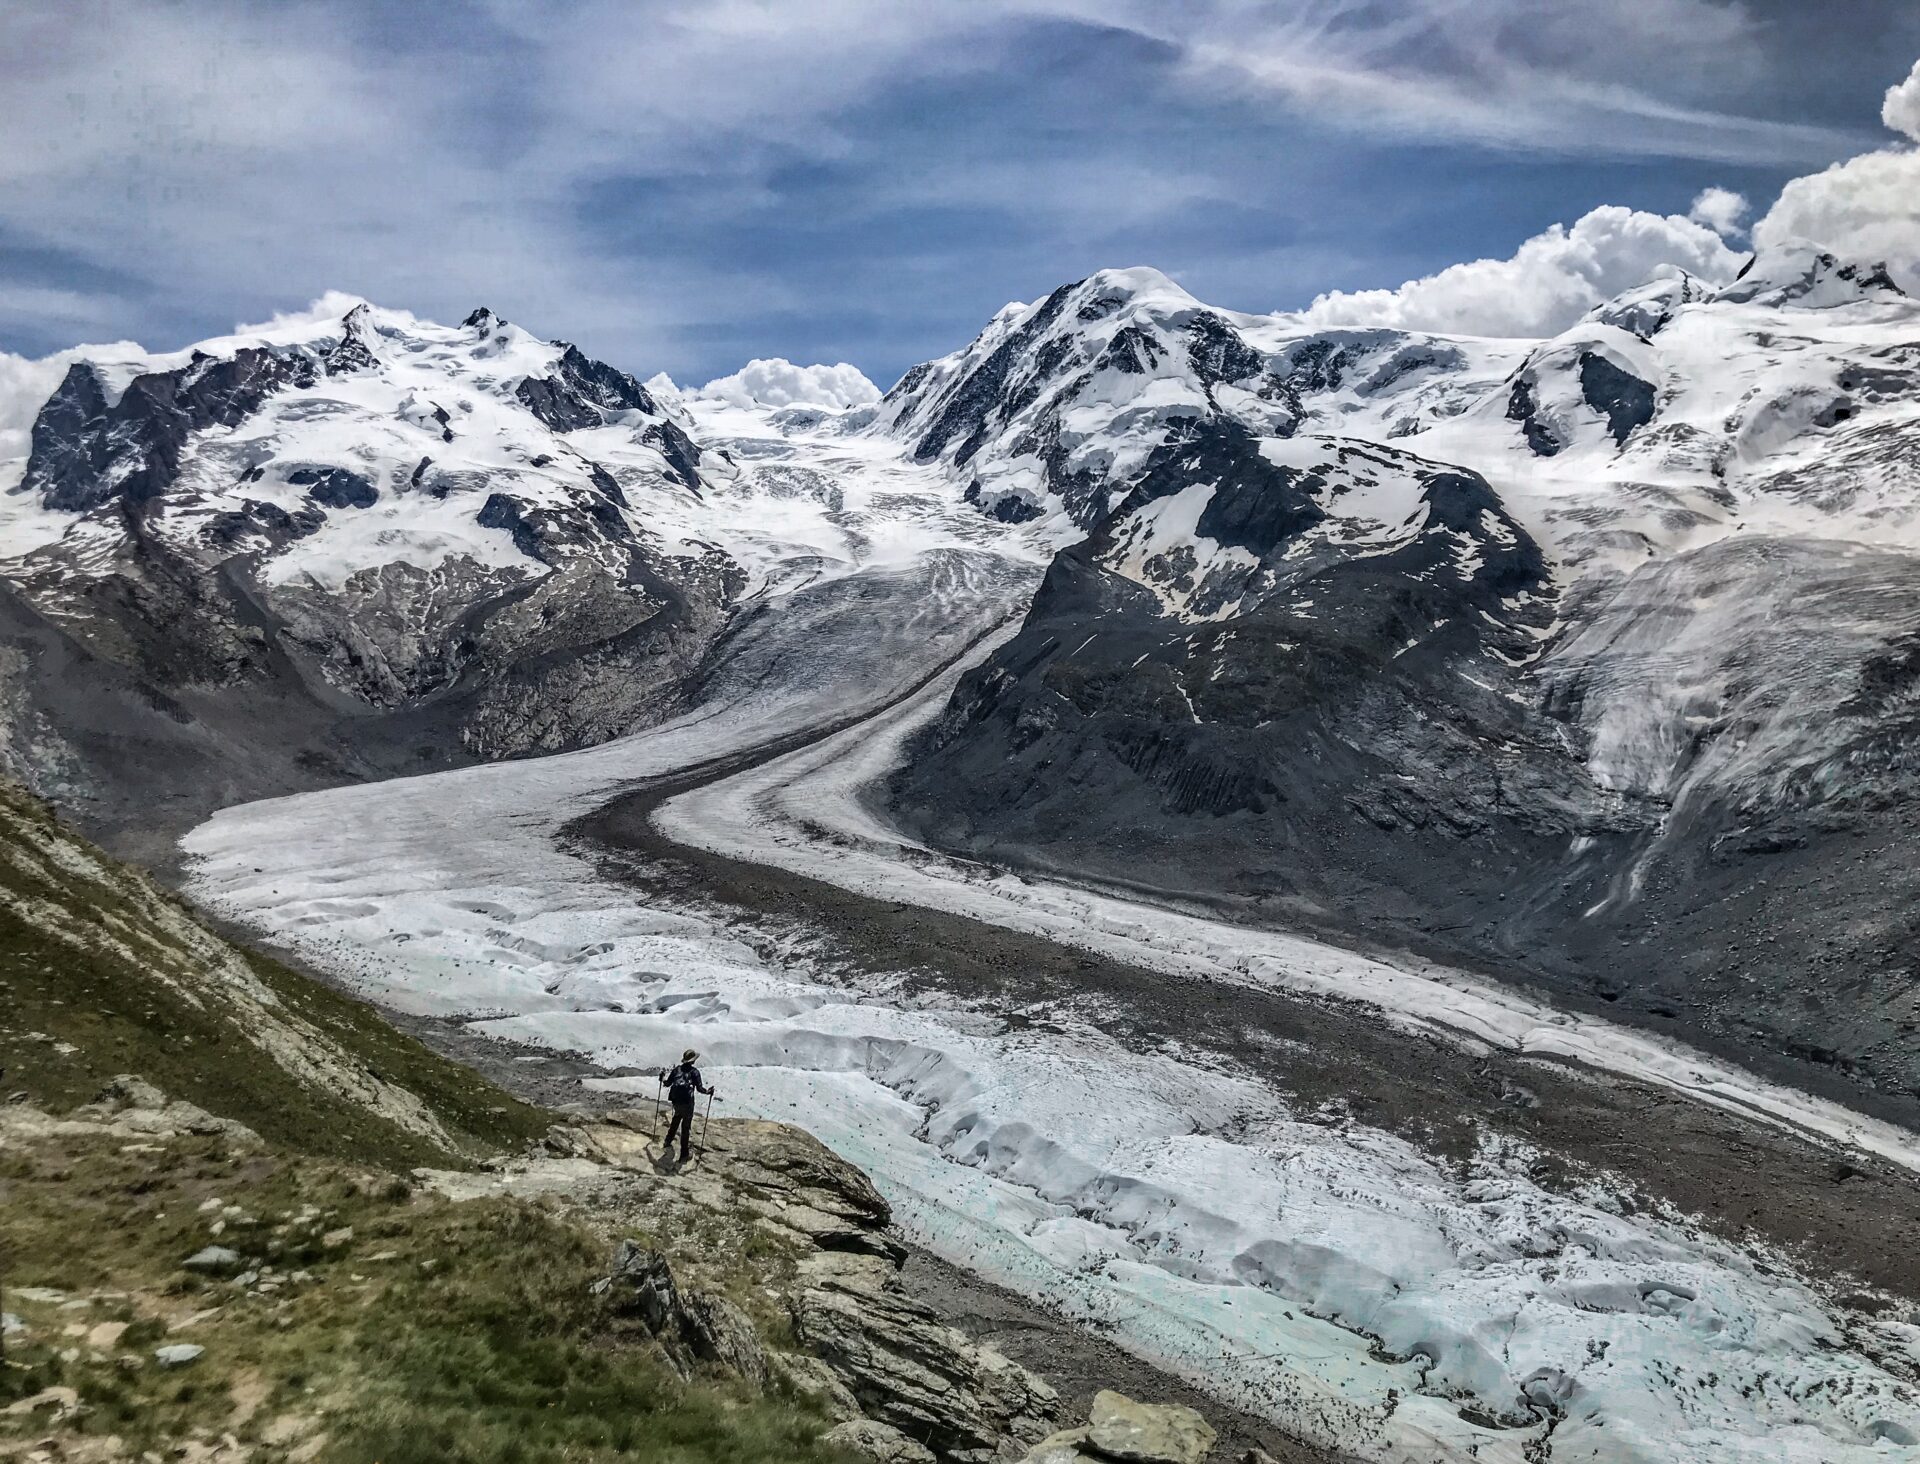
{"x":987,"y":394}
{"x":336,"y":487}
{"x":1621,"y":397}
{"x":1216,"y":352}
{"x":86,"y":453}
{"x":581,"y":392}
{"x":1522,"y":408}
{"x":1340,"y":680}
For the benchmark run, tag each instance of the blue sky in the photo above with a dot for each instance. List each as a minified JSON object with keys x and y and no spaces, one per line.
{"x":679,"y":186}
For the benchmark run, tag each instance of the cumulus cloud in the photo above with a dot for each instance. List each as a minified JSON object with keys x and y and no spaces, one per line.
{"x":1901,"y":110}
{"x":1720,"y":209}
{"x":1545,"y":285}
{"x":778,"y":383}
{"x":1867,"y":207}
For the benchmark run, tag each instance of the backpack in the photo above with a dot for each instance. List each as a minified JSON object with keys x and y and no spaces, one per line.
{"x":683,"y":1082}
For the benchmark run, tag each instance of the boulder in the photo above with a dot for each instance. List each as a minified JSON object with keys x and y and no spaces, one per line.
{"x":1065,"y":1447}
{"x":719,"y":1332}
{"x":1147,"y":1433}
{"x":178,"y":1354}
{"x":878,"y":1443}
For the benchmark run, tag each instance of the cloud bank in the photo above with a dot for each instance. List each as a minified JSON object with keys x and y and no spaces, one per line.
{"x":1866,"y":207}
{"x":1549,"y":282}
{"x":777,"y":383}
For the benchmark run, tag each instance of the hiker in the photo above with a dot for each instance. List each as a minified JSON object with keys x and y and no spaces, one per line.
{"x":683,"y":1083}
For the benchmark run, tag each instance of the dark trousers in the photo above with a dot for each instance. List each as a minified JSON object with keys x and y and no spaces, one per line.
{"x":683,"y":1125}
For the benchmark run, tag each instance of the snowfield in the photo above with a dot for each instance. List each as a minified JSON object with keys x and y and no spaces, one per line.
{"x":1309,"y":1268}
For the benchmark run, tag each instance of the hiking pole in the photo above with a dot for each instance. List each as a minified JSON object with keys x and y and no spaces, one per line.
{"x":653,"y":1124}
{"x":705,"y":1120}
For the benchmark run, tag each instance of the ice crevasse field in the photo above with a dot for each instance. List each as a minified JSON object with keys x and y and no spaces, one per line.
{"x":1310,"y":1269}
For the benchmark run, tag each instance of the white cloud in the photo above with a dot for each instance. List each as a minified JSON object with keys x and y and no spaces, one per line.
{"x":1867,"y":207}
{"x":1720,"y":209}
{"x":1901,"y":109}
{"x":1549,"y":282}
{"x":1512,"y":73}
{"x":778,"y":383}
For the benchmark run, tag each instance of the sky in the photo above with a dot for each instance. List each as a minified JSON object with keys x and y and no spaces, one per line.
{"x":682,"y":185}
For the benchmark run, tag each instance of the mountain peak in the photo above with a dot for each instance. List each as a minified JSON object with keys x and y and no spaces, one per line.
{"x":1140,"y":285}
{"x":1645,"y":308}
{"x":1799,"y":272}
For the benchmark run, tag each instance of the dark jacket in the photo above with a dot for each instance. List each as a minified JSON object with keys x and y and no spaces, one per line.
{"x":683,"y":1082}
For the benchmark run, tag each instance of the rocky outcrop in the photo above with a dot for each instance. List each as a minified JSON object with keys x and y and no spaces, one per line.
{"x":134,"y":1106}
{"x":903,"y":1386}
{"x":912,"y":1372}
{"x":690,"y":1325}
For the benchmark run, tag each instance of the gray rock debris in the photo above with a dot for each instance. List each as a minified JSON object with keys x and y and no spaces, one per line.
{"x":133,"y":1105}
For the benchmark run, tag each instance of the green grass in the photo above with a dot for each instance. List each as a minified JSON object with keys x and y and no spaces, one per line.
{"x":121,"y":1015}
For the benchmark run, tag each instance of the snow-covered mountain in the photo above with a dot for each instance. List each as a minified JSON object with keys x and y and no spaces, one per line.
{"x":1539,"y":654}
{"x":366,"y":543}
{"x":348,"y":545}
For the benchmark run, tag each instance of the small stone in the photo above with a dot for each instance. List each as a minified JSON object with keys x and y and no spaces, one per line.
{"x":107,"y":1334}
{"x":178,"y":1354}
{"x":334,"y":1239}
{"x":215,"y":1259}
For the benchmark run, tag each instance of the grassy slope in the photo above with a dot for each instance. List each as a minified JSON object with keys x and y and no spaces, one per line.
{"x":436,"y":1331}
{"x":127,"y":988}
